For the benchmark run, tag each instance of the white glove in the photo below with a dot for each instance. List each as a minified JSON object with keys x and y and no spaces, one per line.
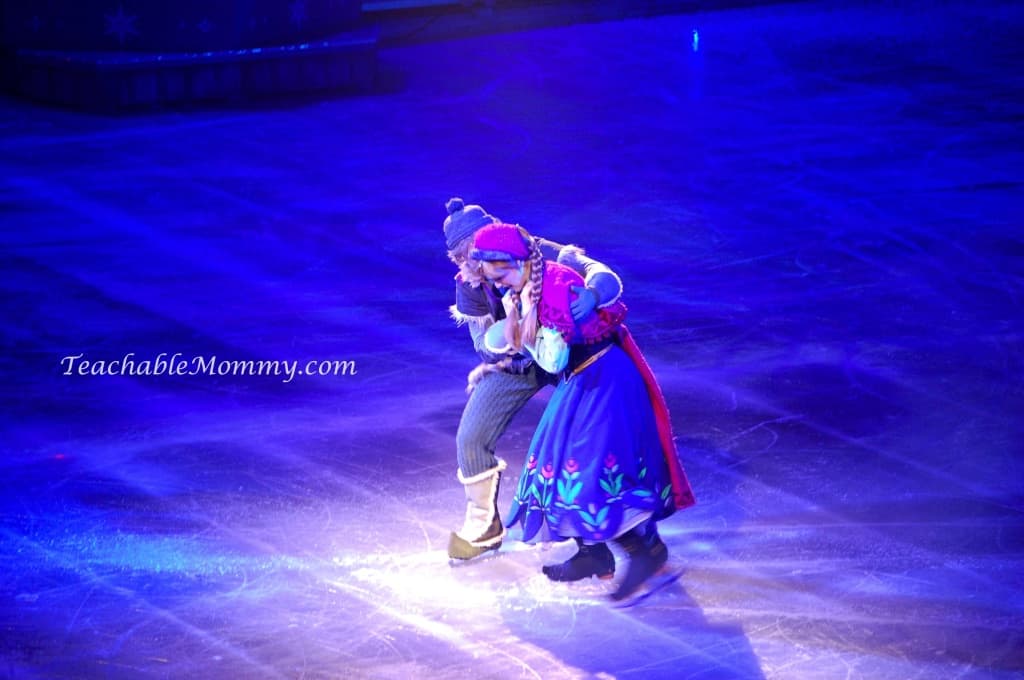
{"x":494,"y":338}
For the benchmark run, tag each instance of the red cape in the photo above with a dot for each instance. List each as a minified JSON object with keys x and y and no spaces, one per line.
{"x":682,"y":493}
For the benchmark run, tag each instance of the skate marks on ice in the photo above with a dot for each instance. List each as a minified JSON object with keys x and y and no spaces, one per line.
{"x":465,"y":606}
{"x":510,"y":577}
{"x":480,"y":607}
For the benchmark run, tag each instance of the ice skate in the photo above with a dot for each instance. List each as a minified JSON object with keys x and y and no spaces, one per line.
{"x":482,"y":529}
{"x":590,"y":560}
{"x":647,"y":557}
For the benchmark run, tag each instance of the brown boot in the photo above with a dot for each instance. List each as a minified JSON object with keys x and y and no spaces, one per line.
{"x":481,"y":529}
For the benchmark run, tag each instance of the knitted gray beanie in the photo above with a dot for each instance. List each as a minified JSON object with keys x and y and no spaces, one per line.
{"x":463,"y":220}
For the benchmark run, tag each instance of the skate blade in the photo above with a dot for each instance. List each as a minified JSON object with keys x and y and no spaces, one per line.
{"x":486,"y":556}
{"x":599,"y":577}
{"x":661,"y":580}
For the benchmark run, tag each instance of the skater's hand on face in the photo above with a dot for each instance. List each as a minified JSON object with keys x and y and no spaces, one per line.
{"x":584,"y":304}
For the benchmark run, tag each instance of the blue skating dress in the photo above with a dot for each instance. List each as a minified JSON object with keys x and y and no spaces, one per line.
{"x":596,"y":466}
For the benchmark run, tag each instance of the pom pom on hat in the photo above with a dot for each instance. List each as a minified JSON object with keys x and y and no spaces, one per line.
{"x":462,"y":221}
{"x":500,"y":242}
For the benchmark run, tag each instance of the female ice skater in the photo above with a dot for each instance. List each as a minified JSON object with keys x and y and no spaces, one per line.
{"x":602,"y":464}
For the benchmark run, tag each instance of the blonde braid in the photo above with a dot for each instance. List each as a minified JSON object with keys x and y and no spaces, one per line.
{"x":514,"y":334}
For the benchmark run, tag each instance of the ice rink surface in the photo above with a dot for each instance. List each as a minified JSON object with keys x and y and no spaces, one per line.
{"x":817,"y":216}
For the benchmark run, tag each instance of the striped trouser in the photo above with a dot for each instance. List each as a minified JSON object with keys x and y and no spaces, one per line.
{"x":496,"y":398}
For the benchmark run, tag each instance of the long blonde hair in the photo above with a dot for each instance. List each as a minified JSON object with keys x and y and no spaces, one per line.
{"x":515,"y":335}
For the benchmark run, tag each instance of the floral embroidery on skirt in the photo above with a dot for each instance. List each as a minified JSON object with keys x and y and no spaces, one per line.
{"x":595,"y":467}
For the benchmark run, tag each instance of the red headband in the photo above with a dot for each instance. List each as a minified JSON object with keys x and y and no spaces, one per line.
{"x":500,"y":242}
